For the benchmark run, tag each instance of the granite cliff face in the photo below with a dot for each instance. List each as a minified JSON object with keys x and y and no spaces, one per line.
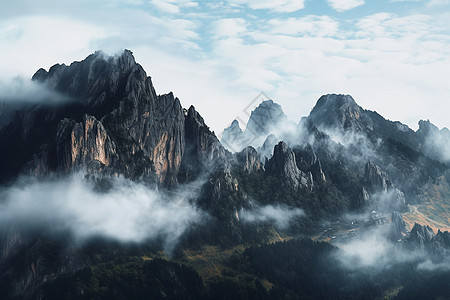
{"x":283,"y":166}
{"x":385,"y":196}
{"x":114,"y":120}
{"x":204,"y":153}
{"x":376,"y":178}
{"x":83,"y":143}
{"x":249,"y":160}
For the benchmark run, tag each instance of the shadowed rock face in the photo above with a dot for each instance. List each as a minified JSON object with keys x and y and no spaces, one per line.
{"x":308,"y":162}
{"x":203,"y":151}
{"x":283,"y":165}
{"x":397,"y":228}
{"x":338,"y":111}
{"x":386,"y":196}
{"x":421,"y":234}
{"x":114,"y":118}
{"x":249,"y":159}
{"x":376,"y":178}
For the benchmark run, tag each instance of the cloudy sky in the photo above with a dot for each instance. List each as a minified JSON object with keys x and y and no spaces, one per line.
{"x":392,"y":56}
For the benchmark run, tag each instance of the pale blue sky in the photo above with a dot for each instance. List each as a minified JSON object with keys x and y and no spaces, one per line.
{"x":392,"y":56}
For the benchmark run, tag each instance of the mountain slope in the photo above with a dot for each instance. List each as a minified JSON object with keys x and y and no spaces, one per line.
{"x":114,"y":123}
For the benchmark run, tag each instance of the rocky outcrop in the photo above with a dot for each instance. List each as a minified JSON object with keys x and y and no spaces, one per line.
{"x":129,"y":128}
{"x":203,"y":151}
{"x":376,"y":178}
{"x":363,"y":198}
{"x":283,"y":165}
{"x":80,"y":144}
{"x":248,"y":160}
{"x":397,"y":228}
{"x":384,"y":196}
{"x":421,"y":234}
{"x":308,"y":162}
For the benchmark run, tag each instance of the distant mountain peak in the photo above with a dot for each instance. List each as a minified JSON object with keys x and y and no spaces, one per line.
{"x":265,"y":116}
{"x":339,"y":111}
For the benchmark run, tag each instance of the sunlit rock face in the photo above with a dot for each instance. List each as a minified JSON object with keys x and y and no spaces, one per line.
{"x":79,"y":144}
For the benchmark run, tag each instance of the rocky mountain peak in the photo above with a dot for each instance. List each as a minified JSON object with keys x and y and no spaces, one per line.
{"x":283,"y":165}
{"x":192,"y":114}
{"x":96,"y":78}
{"x":115,"y":120}
{"x":426,"y":128}
{"x":421,"y":234}
{"x":267,"y":115}
{"x":337,"y":111}
{"x":232,"y":136}
{"x":203,"y":152}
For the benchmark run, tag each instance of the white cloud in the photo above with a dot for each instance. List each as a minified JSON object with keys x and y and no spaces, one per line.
{"x":309,"y":25}
{"x":280,"y":216}
{"x":229,"y":27}
{"x":173,"y":6}
{"x":274,"y":5}
{"x":438,"y":2}
{"x":128,"y":212}
{"x":166,"y":6}
{"x":342,"y":5}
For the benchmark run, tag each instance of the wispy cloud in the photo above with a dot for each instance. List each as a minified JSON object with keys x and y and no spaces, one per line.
{"x":274,"y":5}
{"x":342,"y":5}
{"x":310,"y":25}
{"x":22,"y":91}
{"x":279,"y":215}
{"x":433,"y":3}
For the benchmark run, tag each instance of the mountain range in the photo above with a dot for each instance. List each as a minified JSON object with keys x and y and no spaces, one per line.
{"x":326,"y":189}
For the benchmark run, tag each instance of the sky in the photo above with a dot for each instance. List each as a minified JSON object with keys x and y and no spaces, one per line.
{"x":392,"y":56}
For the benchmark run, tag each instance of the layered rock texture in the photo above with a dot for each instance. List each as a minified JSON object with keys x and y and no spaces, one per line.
{"x":283,"y":165}
{"x":113,"y":123}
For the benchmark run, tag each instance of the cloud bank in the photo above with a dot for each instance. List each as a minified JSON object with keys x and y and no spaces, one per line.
{"x":127,"y":212}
